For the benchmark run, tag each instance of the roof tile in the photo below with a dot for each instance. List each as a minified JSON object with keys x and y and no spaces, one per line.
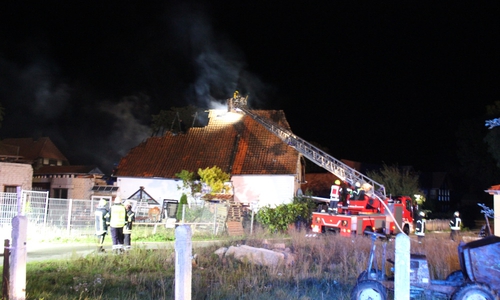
{"x":237,"y":147}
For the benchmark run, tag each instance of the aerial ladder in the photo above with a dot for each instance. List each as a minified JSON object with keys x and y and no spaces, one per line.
{"x":314,"y":154}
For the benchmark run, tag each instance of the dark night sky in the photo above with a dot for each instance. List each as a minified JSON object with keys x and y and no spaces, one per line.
{"x":378,"y":82}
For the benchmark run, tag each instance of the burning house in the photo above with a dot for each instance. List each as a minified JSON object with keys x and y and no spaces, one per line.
{"x":263,"y":168}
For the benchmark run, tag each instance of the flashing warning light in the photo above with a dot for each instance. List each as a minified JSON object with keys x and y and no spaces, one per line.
{"x":315,"y":228}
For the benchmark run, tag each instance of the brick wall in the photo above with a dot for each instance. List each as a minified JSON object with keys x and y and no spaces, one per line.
{"x":12,"y":174}
{"x":78,"y":187}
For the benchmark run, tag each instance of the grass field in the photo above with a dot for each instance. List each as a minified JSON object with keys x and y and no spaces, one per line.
{"x":325,"y":268}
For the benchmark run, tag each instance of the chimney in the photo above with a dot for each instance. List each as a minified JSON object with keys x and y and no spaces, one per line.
{"x":230,"y":105}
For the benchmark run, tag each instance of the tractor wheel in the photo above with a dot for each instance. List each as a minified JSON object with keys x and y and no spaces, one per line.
{"x":474,"y":291}
{"x":372,"y":275}
{"x":406,"y":229}
{"x":369,"y":289}
{"x":456,"y":276}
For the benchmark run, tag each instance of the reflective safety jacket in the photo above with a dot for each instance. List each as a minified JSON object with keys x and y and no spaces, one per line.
{"x":118,"y":216}
{"x":130,"y":219}
{"x":455,"y":223}
{"x":101,"y":220}
{"x":420,"y":228}
{"x":335,"y":192}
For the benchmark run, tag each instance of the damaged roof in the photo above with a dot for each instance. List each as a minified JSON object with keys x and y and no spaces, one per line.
{"x":231,"y":141}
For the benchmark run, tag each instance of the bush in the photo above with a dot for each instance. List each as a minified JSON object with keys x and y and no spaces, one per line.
{"x":280,"y":217}
{"x":182,"y":202}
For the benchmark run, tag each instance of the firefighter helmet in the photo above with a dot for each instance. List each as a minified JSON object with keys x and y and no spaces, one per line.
{"x":422,"y":214}
{"x":456,"y":214}
{"x":118,"y":200}
{"x":337,"y":182}
{"x":357,"y":184}
{"x":127,"y":204}
{"x":102,"y":203}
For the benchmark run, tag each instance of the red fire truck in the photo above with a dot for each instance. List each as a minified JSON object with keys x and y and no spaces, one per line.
{"x":354,"y":216}
{"x":368,"y":214}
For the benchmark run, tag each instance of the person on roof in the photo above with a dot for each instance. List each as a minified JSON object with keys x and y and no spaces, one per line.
{"x":334,"y":198}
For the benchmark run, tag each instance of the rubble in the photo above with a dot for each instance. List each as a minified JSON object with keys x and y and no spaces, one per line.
{"x":258,"y":256}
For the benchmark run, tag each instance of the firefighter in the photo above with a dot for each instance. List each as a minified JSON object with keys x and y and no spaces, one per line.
{"x":127,"y":229}
{"x":334,"y":197}
{"x":117,"y":220}
{"x":455,"y":225}
{"x":420,"y":228}
{"x":356,"y":192}
{"x":344,"y":191}
{"x":101,"y":223}
{"x":236,"y":94}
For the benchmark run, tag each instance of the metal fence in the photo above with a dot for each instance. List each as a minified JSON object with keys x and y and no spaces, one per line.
{"x":75,"y":217}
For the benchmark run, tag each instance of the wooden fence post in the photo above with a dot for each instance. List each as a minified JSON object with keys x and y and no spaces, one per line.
{"x":5,"y":282}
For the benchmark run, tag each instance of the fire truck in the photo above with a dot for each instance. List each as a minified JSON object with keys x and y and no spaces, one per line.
{"x":374,"y":211}
{"x":387,"y":216}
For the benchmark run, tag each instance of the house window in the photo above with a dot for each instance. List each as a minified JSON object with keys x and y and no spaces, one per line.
{"x":52,"y":162}
{"x":10,"y":189}
{"x":60,"y":193}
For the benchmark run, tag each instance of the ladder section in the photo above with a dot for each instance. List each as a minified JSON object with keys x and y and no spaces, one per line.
{"x":314,"y":154}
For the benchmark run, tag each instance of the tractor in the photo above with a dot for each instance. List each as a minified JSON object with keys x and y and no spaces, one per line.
{"x":478,"y":278}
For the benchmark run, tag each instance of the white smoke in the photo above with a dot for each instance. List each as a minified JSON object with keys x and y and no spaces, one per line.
{"x":219,"y":64}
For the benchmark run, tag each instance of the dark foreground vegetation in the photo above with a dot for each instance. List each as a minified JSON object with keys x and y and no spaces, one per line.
{"x":324,"y":268}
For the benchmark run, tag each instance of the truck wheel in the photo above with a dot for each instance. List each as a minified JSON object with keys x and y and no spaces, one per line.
{"x":369,"y":289}
{"x":456,"y":276}
{"x":368,"y":231}
{"x":474,"y":291}
{"x":374,"y":274}
{"x":406,"y":229}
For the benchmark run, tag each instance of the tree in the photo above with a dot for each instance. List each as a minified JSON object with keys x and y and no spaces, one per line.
{"x":476,"y":154}
{"x":189,"y":182}
{"x":397,"y":181}
{"x":214,"y":178}
{"x":183,"y":201}
{"x":492,"y":138}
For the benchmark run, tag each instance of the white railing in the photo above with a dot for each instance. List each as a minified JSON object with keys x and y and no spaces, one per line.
{"x":75,"y":217}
